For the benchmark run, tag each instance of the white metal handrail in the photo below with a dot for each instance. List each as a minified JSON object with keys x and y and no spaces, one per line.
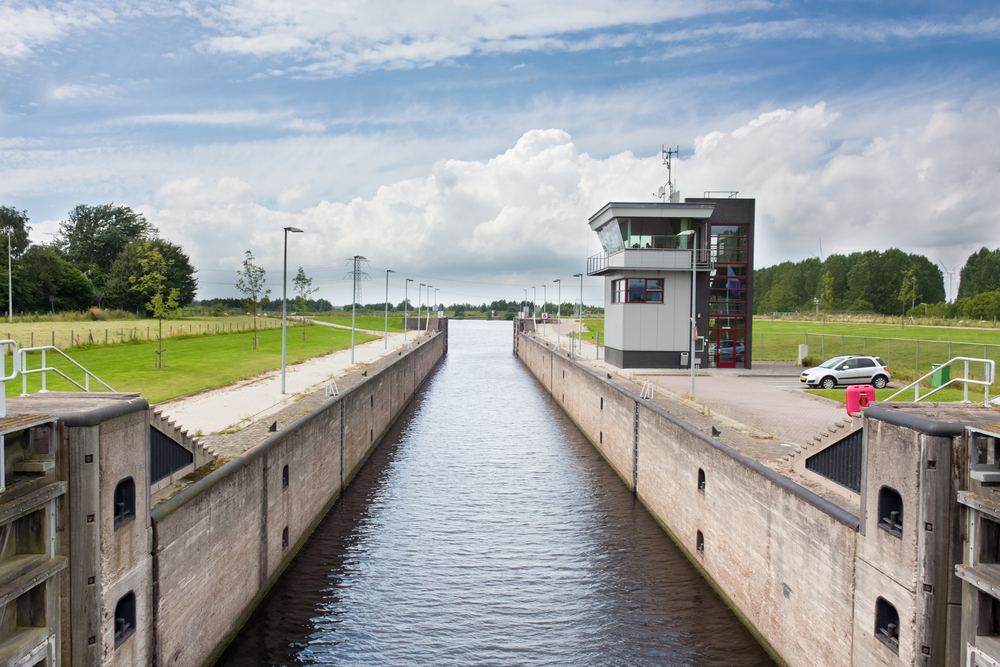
{"x":23,"y":369}
{"x":989,"y":368}
{"x":4,"y":378}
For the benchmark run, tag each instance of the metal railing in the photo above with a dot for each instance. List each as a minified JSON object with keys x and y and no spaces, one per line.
{"x":989,"y":372}
{"x":44,"y":369}
{"x":4,"y":378}
{"x":602,"y":260}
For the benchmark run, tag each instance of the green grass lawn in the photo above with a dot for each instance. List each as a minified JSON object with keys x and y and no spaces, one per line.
{"x":911,"y":348}
{"x":194,"y":362}
{"x":594,"y":325}
{"x":946,"y":395}
{"x":373,"y":322}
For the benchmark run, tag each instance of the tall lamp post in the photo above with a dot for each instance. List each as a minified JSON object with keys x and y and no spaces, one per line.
{"x":406,"y":307}
{"x":420,"y":304}
{"x":579,"y":334}
{"x":284,"y":303}
{"x":387,"y":272}
{"x":435,"y":301}
{"x":559,"y":325}
{"x":534,"y":301}
{"x":543,"y":302}
{"x":427,"y":316}
{"x":690,"y":233}
{"x":524,"y":305}
{"x":354,"y":298}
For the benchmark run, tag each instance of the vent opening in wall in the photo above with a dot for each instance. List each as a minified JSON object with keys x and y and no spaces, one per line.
{"x":564,"y":375}
{"x":602,"y":402}
{"x":701,"y":480}
{"x":989,"y":532}
{"x":890,"y":511}
{"x":887,"y":624}
{"x":372,"y":400}
{"x":284,"y":538}
{"x":124,"y":500}
{"x":989,"y":616}
{"x":284,"y":477}
{"x":124,"y":618}
{"x":700,"y":544}
{"x":602,"y":437}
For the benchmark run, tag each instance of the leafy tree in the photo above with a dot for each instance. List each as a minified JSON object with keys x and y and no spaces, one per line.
{"x":94,"y":236}
{"x":909,"y":290}
{"x":981,"y":273}
{"x":121,"y":292}
{"x":826,"y":291}
{"x":15,"y":223}
{"x":303,"y":288}
{"x":47,"y":274}
{"x":251,"y":284}
{"x":153,"y":282}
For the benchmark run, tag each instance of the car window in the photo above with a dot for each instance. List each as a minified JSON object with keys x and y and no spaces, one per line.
{"x":880,"y":362}
{"x":866,"y":363}
{"x":851,"y":364}
{"x":830,"y":363}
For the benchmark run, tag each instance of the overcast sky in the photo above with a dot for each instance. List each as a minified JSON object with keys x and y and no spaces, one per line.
{"x":465,"y":144}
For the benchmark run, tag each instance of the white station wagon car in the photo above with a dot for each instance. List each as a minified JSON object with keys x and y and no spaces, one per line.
{"x":848,"y":369}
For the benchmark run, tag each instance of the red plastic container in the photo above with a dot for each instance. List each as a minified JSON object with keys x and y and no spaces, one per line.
{"x":859,"y":396}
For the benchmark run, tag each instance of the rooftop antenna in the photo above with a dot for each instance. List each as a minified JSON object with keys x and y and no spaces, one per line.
{"x":669,"y":190}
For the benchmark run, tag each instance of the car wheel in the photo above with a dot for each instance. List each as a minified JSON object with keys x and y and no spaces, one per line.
{"x":880,"y":382}
{"x":829,"y":383}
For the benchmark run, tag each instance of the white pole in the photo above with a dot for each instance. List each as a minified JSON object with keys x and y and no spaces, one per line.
{"x":427,"y":315}
{"x":284,"y":304}
{"x":10,"y":284}
{"x":579,"y":334}
{"x":387,"y":272}
{"x":354,"y":305}
{"x":693,"y":323}
{"x":559,"y":325}
{"x":420,"y":305}
{"x":406,"y":306}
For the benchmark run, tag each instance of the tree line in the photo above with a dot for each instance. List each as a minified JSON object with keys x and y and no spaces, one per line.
{"x":888,"y":283}
{"x":101,"y":252}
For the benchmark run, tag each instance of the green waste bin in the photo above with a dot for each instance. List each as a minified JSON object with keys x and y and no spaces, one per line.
{"x":940,"y":376}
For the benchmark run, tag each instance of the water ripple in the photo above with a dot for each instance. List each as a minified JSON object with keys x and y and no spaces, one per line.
{"x":486,"y":530}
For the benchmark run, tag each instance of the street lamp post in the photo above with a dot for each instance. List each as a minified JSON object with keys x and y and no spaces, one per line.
{"x":543,"y":303}
{"x":534,"y":301}
{"x":284,"y":303}
{"x":387,"y":272}
{"x":559,"y":324}
{"x":427,"y":315}
{"x":406,"y":307}
{"x":690,"y":232}
{"x":10,"y":284}
{"x":579,"y":334}
{"x":435,"y":300}
{"x":524,"y":304}
{"x":420,"y":304}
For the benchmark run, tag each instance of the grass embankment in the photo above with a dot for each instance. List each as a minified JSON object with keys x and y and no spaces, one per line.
{"x":35,"y":334}
{"x":371,"y":322}
{"x":912,"y":348}
{"x":947,"y":395}
{"x":194,"y":362}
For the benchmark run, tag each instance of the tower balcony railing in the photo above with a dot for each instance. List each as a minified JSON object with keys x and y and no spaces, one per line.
{"x":660,"y":259}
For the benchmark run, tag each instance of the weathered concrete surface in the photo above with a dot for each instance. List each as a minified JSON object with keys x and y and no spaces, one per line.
{"x":219,"y":544}
{"x":793,"y":565}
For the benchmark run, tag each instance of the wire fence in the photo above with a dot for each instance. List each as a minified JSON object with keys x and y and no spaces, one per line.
{"x":905,"y":353}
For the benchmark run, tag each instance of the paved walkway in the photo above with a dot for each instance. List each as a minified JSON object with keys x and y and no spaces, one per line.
{"x":751,"y":397}
{"x":238,"y":405}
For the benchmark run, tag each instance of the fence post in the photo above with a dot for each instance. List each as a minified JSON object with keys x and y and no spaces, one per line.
{"x":822,"y":345}
{"x":889,"y":363}
{"x":916,"y":361}
{"x":949,"y":349}
{"x":864,"y":346}
{"x":841,"y":346}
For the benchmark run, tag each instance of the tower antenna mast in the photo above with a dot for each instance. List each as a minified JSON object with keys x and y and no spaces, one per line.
{"x":669,"y":191}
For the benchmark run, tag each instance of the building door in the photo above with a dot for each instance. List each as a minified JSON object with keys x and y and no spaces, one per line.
{"x":729,"y":347}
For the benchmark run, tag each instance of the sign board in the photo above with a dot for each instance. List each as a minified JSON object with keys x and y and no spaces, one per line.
{"x":699,"y":344}
{"x":98,"y":299}
{"x":545,"y":316}
{"x":52,"y":298}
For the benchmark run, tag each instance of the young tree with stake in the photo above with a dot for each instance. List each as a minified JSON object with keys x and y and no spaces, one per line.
{"x":303,"y":287}
{"x":152,"y":282}
{"x":251,"y":284}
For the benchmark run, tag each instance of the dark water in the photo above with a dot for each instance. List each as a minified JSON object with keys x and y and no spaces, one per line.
{"x":486,"y":530}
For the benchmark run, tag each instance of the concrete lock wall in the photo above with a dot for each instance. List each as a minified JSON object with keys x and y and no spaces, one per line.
{"x":790,"y":563}
{"x":219,"y":544}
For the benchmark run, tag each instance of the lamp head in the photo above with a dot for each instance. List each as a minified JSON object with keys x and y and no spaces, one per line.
{"x":389,"y":271}
{"x":409,"y":280}
{"x":687,"y":232}
{"x":578,"y":275}
{"x":294,"y":230}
